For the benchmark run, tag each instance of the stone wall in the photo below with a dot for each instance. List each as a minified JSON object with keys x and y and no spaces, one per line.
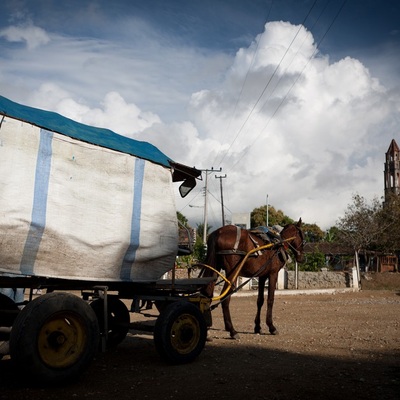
{"x":319,"y":280}
{"x":306,"y":280}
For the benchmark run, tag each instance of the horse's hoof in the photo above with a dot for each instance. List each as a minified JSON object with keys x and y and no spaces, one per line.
{"x":235,"y":336}
{"x":274,"y":332}
{"x":257,"y":331}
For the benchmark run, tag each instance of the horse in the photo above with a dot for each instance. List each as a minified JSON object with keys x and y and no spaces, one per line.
{"x":226,"y":249}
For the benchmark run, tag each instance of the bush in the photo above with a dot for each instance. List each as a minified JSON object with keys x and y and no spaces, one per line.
{"x":314,"y":262}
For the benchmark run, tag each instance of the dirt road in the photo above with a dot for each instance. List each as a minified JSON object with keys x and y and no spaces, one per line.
{"x":340,"y":346}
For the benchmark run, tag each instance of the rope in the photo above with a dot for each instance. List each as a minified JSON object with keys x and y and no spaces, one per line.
{"x":258,"y":272}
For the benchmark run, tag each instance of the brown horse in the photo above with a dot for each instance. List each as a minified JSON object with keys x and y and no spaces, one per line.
{"x":226,"y":249}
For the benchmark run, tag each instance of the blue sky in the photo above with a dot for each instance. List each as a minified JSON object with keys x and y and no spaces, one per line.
{"x":297,"y":99}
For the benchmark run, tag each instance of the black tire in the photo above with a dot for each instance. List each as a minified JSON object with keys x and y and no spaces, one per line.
{"x":54,"y":338}
{"x":180,"y":332}
{"x":118,"y":319}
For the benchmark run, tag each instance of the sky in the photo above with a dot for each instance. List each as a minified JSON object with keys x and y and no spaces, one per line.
{"x":294,"y":102}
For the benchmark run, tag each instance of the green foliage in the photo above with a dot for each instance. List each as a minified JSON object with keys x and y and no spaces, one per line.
{"x":184,"y":261}
{"x":360,"y":226}
{"x":313,"y":233}
{"x":332,"y":234}
{"x":199,"y":251}
{"x":198,"y":255}
{"x":314,"y":262}
{"x":182,"y":219}
{"x":200,"y":230}
{"x":388,"y":219}
{"x":258,"y":217}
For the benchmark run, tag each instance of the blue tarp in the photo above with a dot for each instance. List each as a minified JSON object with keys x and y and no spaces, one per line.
{"x":54,"y":122}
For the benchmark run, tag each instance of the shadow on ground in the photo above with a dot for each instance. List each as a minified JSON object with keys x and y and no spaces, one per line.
{"x":225,"y":370}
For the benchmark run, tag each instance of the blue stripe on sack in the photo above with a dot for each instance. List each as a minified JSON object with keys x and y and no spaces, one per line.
{"x":130,"y":254}
{"x":38,"y":220}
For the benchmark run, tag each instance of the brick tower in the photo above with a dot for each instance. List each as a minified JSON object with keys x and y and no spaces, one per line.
{"x":392,"y":170}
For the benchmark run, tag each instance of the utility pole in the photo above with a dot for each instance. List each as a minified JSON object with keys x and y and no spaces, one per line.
{"x":205,"y":210}
{"x":222,"y":197}
{"x":205,"y":202}
{"x":267,"y":212}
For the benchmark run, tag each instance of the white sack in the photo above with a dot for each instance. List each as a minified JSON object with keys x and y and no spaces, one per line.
{"x":70,"y":209}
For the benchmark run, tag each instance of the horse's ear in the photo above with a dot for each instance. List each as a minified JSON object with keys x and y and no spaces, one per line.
{"x":299,"y":223}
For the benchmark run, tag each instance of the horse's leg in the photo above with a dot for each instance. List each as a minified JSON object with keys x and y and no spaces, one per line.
{"x":260,"y":303}
{"x":227,"y":317}
{"x":273,"y":278}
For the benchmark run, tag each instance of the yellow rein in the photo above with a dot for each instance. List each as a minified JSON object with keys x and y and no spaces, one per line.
{"x":235,"y":276}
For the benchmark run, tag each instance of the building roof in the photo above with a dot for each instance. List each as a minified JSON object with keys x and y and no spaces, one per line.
{"x":393,"y":147}
{"x":328,"y":248}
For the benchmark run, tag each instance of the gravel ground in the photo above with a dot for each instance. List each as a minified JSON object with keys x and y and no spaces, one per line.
{"x":330,"y":346}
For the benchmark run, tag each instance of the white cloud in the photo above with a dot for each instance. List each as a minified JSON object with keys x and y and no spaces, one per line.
{"x":113,"y":113}
{"x":118,"y":115}
{"x":305,"y":131}
{"x":158,"y":79}
{"x":33,"y":36}
{"x":310,"y":146}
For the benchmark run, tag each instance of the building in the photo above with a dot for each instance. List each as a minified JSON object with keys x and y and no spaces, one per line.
{"x":242,"y":220}
{"x":392,"y":170}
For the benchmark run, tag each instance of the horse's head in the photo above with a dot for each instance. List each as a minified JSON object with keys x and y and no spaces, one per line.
{"x":297,"y":243}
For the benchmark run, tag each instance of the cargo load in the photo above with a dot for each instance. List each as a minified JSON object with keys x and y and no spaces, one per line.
{"x":84,"y":203}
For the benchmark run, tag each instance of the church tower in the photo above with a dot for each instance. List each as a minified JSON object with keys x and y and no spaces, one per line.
{"x":392,"y":170}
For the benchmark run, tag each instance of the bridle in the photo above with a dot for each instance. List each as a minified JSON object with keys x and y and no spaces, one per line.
{"x":296,"y":251}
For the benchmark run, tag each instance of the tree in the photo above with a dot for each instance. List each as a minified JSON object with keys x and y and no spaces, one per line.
{"x":182,"y":219}
{"x":360,"y":227}
{"x":314,"y":261}
{"x":258,"y":217}
{"x":200,"y":230}
{"x":388,"y":219}
{"x":313,"y":233}
{"x":332,"y":234}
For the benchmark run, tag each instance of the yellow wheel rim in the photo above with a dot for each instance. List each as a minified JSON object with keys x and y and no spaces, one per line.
{"x":62,"y":340}
{"x":185,"y":334}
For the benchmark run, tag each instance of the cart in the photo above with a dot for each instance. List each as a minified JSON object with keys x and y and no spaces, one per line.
{"x":54,"y":336}
{"x":88,"y":218}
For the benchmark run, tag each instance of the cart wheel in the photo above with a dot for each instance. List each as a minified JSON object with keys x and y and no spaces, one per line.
{"x":180,"y":332}
{"x":54,"y":338}
{"x":118,"y":319}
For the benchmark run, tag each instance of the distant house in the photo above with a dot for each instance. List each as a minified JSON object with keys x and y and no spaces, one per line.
{"x":339,"y":257}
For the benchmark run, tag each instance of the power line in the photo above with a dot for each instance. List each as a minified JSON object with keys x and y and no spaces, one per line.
{"x":268,"y":82}
{"x":243,"y":85}
{"x":293,"y":84}
{"x":266,"y":86}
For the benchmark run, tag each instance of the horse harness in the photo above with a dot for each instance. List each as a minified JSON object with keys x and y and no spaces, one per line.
{"x":268,"y":237}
